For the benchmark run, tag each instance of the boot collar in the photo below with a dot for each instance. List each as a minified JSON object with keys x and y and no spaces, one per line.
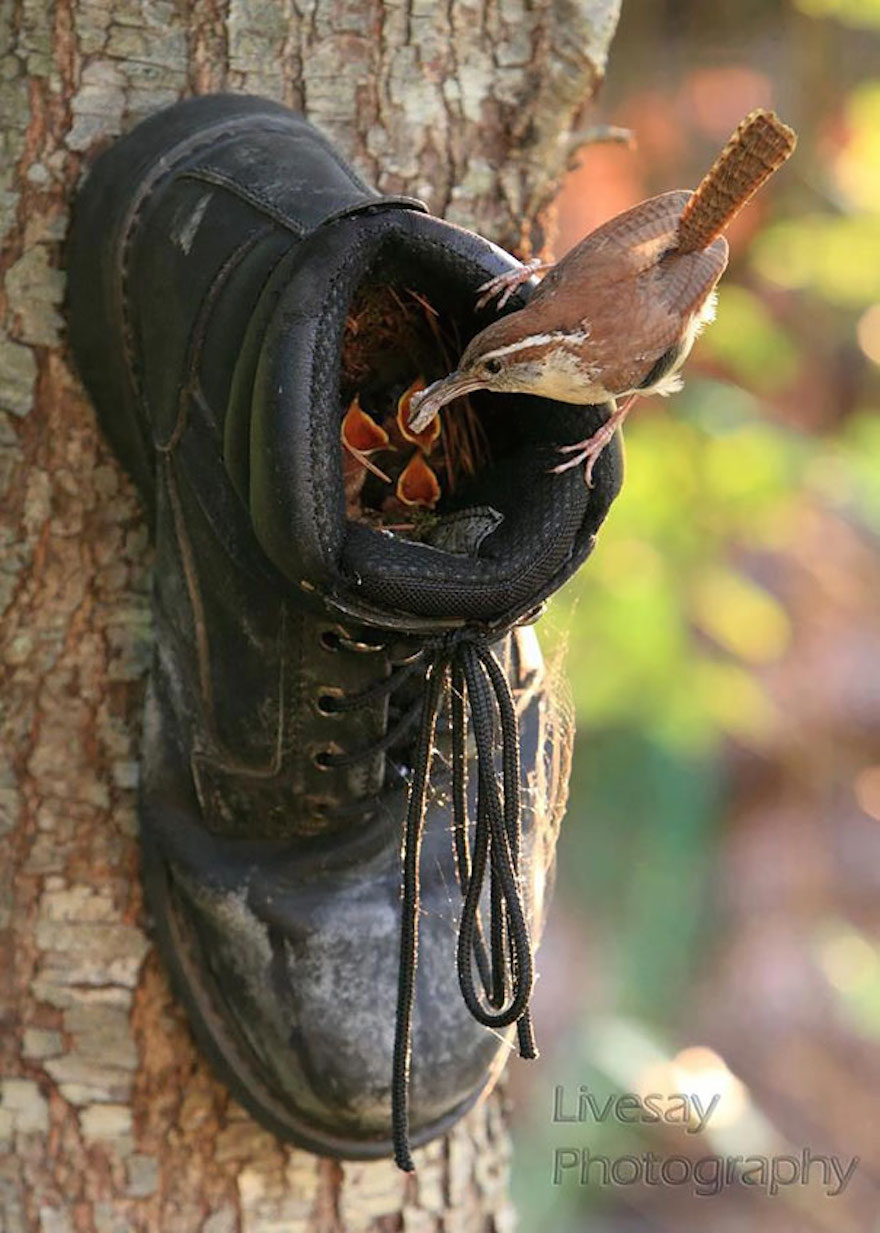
{"x":296,"y":496}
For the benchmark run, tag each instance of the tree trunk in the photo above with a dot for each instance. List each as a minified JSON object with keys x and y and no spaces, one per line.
{"x":109,"y":1119}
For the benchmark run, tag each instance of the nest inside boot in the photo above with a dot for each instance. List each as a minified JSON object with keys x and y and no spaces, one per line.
{"x":396,"y":342}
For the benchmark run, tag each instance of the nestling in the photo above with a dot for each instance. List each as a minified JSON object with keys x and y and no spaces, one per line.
{"x":617,"y":316}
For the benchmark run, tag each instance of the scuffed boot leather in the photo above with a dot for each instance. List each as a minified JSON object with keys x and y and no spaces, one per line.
{"x":214,"y":256}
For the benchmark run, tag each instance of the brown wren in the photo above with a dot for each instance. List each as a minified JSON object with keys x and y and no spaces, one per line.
{"x":618,"y":314}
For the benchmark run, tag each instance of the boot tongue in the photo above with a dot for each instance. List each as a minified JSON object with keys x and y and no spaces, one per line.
{"x":464,"y":532}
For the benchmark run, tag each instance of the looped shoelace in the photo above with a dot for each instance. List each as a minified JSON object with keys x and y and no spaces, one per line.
{"x":505,"y":971}
{"x":465,"y":662}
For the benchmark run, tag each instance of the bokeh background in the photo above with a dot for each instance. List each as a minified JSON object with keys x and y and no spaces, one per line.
{"x":717,"y":917}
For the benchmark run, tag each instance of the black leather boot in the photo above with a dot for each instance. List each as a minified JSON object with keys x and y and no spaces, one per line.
{"x":303,"y":657}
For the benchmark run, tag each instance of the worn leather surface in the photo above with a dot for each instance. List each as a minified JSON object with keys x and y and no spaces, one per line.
{"x":213,"y":256}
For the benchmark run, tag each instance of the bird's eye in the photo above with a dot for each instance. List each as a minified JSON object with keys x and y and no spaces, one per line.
{"x":493,"y":366}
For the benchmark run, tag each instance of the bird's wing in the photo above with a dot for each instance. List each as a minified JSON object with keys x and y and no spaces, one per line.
{"x":621,"y":297}
{"x":619,"y":249}
{"x":622,"y":325}
{"x":684,"y":280}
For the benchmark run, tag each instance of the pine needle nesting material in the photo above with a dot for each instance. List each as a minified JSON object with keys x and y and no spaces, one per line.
{"x":395,"y":342}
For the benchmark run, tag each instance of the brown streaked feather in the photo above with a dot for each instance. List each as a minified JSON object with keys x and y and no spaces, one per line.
{"x":640,"y":298}
{"x":685,"y":279}
{"x":622,"y":246}
{"x":678,"y":288}
{"x":629,"y":292}
{"x":758,"y":148}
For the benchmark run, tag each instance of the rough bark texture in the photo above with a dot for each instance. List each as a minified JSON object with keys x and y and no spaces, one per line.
{"x":109,"y":1120}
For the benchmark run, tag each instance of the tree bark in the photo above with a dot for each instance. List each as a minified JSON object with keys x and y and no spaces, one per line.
{"x":109,"y":1119}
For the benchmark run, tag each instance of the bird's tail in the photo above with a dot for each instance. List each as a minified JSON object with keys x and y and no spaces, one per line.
{"x":760,"y":146}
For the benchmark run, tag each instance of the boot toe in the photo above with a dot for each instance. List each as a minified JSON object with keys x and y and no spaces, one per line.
{"x":291,"y":982}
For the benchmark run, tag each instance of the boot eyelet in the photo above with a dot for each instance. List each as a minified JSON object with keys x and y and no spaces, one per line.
{"x":321,"y":756}
{"x":362,"y":648}
{"x":325,"y":701}
{"x":320,"y":807}
{"x":337,"y":638}
{"x":406,"y":657}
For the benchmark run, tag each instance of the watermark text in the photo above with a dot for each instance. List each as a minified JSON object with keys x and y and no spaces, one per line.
{"x":708,"y":1175}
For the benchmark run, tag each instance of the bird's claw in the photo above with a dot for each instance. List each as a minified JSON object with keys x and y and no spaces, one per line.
{"x":504,"y":285}
{"x":587,"y":451}
{"x":590,"y":448}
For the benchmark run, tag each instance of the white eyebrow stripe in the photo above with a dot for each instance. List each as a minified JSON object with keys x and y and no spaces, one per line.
{"x":538,"y":340}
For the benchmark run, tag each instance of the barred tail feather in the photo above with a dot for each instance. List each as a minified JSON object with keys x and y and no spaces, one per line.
{"x":758,"y":148}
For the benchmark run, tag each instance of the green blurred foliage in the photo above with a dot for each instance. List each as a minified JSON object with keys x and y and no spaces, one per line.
{"x":626,"y":863}
{"x":678,"y":622}
{"x":851,"y":962}
{"x":847,"y":472}
{"x":669,"y":628}
{"x":852,"y":12}
{"x":672,"y":626}
{"x":836,"y":253}
{"x":839,"y":258}
{"x":746,"y":340}
{"x":858,"y":165}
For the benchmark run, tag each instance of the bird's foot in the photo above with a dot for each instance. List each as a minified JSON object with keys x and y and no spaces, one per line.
{"x":504,"y":285}
{"x":587,"y":451}
{"x":590,"y":448}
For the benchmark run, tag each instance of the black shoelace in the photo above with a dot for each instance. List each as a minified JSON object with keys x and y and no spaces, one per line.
{"x":463,"y":665}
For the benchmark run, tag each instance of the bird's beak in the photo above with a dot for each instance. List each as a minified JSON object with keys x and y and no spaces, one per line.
{"x":426,"y":403}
